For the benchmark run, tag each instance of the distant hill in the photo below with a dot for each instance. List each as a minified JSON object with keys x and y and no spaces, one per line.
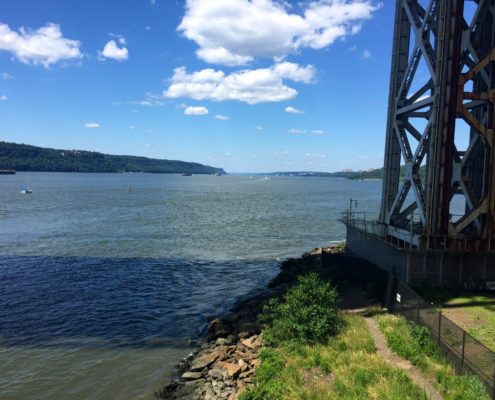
{"x":22,"y":157}
{"x":369,"y":174}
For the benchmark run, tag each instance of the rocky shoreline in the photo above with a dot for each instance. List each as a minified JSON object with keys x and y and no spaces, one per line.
{"x":226,"y":362}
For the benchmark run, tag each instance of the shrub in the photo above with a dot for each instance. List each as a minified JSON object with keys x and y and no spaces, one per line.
{"x":307,"y":313}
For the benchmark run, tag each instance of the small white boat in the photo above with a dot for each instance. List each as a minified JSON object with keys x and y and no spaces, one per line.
{"x":27,"y":190}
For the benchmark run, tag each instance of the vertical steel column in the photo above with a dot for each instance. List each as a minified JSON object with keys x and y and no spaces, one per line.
{"x":400,"y":54}
{"x":439,"y":192}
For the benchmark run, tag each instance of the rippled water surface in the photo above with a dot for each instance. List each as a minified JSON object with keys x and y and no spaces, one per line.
{"x":100,"y":288}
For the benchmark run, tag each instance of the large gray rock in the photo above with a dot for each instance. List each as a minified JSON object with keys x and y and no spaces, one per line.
{"x":205,"y":361}
{"x":191,"y":376}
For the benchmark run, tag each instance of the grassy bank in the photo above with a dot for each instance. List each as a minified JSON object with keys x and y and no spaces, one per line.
{"x":345,"y":367}
{"x":474,"y":312}
{"x":305,"y":358}
{"x":412,"y":342}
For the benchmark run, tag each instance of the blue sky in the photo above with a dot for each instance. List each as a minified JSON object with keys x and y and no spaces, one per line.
{"x":250,"y":86}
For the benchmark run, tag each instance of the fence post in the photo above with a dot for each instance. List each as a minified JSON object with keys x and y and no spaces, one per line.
{"x":417,"y":313}
{"x":463,"y":346}
{"x":439,"y":327}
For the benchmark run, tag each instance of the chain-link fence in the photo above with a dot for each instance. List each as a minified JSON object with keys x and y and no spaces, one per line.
{"x":466,"y":353}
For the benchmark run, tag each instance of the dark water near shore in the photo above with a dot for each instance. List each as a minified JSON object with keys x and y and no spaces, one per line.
{"x":100,"y":288}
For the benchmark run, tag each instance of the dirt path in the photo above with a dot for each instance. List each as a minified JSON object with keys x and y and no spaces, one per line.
{"x":383,"y":349}
{"x":356,"y":302}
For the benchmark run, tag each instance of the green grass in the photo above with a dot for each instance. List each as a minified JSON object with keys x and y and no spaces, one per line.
{"x":474,"y":312}
{"x":413,"y":343}
{"x":346,"y":367}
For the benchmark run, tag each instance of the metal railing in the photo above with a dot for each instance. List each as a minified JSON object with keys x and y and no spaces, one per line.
{"x":368,"y":223}
{"x":466,"y":352}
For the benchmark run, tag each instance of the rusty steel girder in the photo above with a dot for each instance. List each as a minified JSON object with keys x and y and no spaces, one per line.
{"x":443,"y":72}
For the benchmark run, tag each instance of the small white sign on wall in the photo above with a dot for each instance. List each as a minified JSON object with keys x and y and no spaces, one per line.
{"x":398,"y":297}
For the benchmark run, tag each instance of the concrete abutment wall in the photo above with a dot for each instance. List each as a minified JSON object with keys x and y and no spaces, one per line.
{"x":440,"y":268}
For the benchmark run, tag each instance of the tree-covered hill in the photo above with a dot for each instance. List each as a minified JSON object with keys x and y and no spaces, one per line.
{"x":369,"y":174}
{"x":23,"y":157}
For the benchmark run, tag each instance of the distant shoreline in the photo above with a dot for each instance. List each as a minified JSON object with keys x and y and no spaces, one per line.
{"x":22,"y":157}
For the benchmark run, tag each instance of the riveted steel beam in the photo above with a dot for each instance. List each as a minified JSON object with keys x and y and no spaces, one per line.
{"x":460,"y":60}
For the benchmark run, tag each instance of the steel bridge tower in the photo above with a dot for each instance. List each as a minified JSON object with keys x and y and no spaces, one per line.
{"x":441,"y":126}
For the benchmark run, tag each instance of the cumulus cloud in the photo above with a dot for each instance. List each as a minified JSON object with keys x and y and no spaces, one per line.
{"x":120,"y":38}
{"x":3,"y":97}
{"x":365,"y":54}
{"x":44,"y":46}
{"x":91,"y":125}
{"x":294,"y":131}
{"x":235,"y":32}
{"x":292,"y":110}
{"x":113,"y":51}
{"x":249,"y":86}
{"x":200,"y":110}
{"x":222,"y":117}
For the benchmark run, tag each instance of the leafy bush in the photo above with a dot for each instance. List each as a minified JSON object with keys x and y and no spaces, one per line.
{"x":308,"y":312}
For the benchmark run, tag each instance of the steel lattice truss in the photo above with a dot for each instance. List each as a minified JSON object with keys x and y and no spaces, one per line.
{"x":443,"y":72}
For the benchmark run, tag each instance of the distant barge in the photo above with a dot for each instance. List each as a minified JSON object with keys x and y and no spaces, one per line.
{"x":7,"y":171}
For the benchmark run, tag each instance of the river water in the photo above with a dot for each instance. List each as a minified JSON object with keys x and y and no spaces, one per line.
{"x":101,"y":287}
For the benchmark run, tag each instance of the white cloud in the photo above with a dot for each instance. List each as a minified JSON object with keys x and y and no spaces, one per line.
{"x":148,"y":103}
{"x":292,"y":110}
{"x":3,"y":97}
{"x":91,"y":125}
{"x":44,"y":46}
{"x":120,"y":38}
{"x":235,"y":32}
{"x":311,"y":155}
{"x":150,"y":100}
{"x":222,"y":117}
{"x":365,"y":54}
{"x":196,"y":110}
{"x":259,"y":128}
{"x":4,"y":76}
{"x":296,"y":131}
{"x":131,"y":127}
{"x":249,"y":86}
{"x":113,"y":51}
